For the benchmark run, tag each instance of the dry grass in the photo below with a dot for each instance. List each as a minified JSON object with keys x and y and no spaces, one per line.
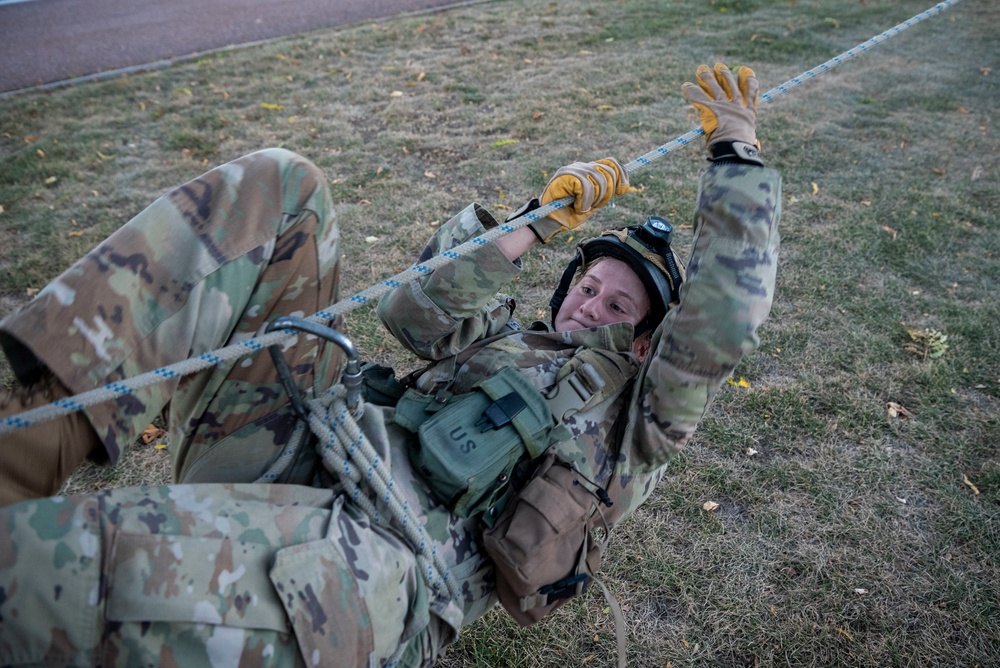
{"x":851,"y":537}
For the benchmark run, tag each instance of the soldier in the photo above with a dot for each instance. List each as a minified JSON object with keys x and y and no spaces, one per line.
{"x":222,"y":570}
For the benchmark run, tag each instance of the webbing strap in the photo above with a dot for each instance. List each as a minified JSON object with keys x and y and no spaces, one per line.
{"x":212,"y":358}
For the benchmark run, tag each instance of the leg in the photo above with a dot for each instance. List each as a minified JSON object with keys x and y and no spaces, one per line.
{"x":199,"y":575}
{"x":205,"y":265}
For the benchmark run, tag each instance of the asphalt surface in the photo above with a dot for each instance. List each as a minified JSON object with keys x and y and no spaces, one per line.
{"x":45,"y":42}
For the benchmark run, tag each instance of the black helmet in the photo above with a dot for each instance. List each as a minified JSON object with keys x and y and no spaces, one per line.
{"x":646,"y":250}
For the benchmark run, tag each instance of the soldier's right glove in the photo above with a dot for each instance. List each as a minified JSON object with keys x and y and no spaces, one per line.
{"x":727,"y":107}
{"x":591,"y":184}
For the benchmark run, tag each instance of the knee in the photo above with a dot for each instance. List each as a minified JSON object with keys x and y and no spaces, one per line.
{"x":303,"y":185}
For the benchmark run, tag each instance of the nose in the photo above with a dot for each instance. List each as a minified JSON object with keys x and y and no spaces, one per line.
{"x":590,"y":309}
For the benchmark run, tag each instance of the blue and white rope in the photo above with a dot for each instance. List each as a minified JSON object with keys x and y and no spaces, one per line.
{"x":369,"y":295}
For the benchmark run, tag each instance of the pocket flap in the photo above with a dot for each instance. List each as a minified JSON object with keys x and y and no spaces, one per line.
{"x":163,"y":578}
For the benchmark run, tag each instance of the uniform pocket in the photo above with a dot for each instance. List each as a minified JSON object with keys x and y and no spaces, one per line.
{"x":163,"y":578}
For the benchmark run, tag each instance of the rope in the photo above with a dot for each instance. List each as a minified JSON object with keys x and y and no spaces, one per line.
{"x":349,"y":456}
{"x":372,"y":293}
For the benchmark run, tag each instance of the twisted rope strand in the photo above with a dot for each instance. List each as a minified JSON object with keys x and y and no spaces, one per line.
{"x":372,"y":293}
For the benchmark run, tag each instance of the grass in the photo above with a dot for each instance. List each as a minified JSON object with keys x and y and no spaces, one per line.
{"x":845,"y":535}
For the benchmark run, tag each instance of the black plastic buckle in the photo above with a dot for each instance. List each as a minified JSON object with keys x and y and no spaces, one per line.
{"x":565,"y":588}
{"x":501,"y":412}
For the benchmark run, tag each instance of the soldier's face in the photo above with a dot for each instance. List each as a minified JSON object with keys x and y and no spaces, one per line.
{"x":609,"y":292}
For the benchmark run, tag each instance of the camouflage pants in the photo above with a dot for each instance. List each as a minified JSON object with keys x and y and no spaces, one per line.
{"x":209,"y":574}
{"x":208,"y":264}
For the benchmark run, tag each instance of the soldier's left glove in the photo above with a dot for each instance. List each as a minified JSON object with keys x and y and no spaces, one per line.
{"x":591,"y":184}
{"x":727,"y":107}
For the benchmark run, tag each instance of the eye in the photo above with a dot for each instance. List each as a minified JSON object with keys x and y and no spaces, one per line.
{"x":617,"y":309}
{"x":587,"y":290}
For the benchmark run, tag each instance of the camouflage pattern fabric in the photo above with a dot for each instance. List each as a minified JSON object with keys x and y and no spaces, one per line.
{"x":455,"y":319}
{"x":192,"y":575}
{"x":208,"y":264}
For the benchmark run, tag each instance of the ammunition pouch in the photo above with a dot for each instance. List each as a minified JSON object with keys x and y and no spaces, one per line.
{"x":471,"y":444}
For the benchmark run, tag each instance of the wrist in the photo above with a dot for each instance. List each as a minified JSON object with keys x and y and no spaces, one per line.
{"x":736,"y":152}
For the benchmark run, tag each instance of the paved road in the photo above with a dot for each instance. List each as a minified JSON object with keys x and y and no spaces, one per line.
{"x":47,"y":41}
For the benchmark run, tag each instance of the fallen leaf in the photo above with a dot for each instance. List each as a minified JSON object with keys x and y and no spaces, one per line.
{"x":396,"y":93}
{"x":504,"y":142}
{"x":890,"y":231}
{"x":1,"y":208}
{"x":49,"y":181}
{"x":605,"y":107}
{"x":901,"y":500}
{"x":160,"y":446}
{"x":986,"y":71}
{"x":365,"y":201}
{"x":865,"y":203}
{"x":815,"y":188}
{"x":371,"y":240}
{"x":963,"y":110}
{"x":845,"y":633}
{"x":30,"y":139}
{"x":751,"y":452}
{"x":430,"y":175}
{"x":897,"y":410}
{"x":379,"y":170}
{"x":40,"y":152}
{"x":106,"y":157}
{"x":860,"y":590}
{"x":965,"y":479}
{"x":421,"y":76}
{"x":742,"y":382}
{"x":271,"y":105}
{"x":75,"y":233}
{"x":151,"y":433}
{"x":709,"y":506}
{"x":537,"y":115}
{"x":31,"y":292}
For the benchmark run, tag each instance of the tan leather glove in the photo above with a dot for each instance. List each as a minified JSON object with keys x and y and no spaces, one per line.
{"x":727,"y":105}
{"x":591,"y":184}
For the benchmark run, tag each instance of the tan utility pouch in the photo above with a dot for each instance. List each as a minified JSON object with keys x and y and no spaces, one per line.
{"x":470,"y":446}
{"x":543,"y":545}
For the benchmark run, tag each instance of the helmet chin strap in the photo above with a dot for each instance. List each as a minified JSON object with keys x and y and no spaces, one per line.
{"x":563,"y":288}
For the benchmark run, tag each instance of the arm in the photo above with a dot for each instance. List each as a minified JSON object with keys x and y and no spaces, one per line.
{"x":731,"y":274}
{"x":726,"y":297}
{"x":444,"y":313}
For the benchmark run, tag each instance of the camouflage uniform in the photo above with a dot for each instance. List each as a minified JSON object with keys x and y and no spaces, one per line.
{"x":256,"y":574}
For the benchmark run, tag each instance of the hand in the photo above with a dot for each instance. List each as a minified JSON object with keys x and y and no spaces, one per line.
{"x":591,"y":184}
{"x":727,"y":106}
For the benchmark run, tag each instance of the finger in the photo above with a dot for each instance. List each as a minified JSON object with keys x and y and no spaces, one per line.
{"x":749,"y":87}
{"x":726,"y":80}
{"x":605,"y":179}
{"x":694,"y":94}
{"x":621,"y":175}
{"x":578,"y":185}
{"x":706,"y":79}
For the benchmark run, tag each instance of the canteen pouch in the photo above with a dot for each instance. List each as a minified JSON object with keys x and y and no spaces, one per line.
{"x":543,"y":545}
{"x":470,"y":446}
